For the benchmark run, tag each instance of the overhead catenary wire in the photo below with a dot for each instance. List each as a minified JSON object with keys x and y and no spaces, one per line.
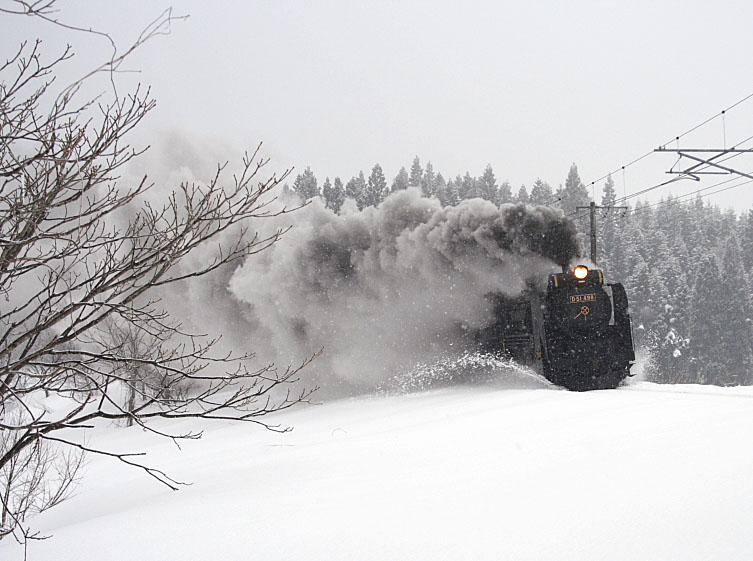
{"x":684,"y":198}
{"x":579,"y":214}
{"x":675,"y":139}
{"x":680,"y":177}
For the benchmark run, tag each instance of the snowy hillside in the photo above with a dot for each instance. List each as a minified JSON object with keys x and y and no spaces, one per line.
{"x":506,"y":470}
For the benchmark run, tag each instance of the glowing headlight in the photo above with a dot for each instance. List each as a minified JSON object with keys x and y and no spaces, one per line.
{"x":580,"y":272}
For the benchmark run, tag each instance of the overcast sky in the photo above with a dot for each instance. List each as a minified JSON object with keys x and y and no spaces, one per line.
{"x":528,"y":87}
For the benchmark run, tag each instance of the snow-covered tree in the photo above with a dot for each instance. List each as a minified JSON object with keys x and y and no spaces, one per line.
{"x":327,"y":191}
{"x":401,"y":180}
{"x":448,"y":193}
{"x":695,"y":230}
{"x":647,"y":302}
{"x":706,"y":325}
{"x":607,"y":225}
{"x":416,"y":174}
{"x":541,"y":193}
{"x":440,"y":188}
{"x":746,"y":241}
{"x":468,"y":187}
{"x":522,"y":196}
{"x":376,"y":188}
{"x":670,"y":355}
{"x":337,"y":196}
{"x":737,"y":317}
{"x":487,"y":185}
{"x":574,"y":193}
{"x":429,"y":181}
{"x":356,"y":189}
{"x":305,"y":185}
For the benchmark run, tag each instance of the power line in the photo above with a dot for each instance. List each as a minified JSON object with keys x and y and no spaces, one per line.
{"x":679,"y":199}
{"x":679,"y":177}
{"x":577,"y":214}
{"x":675,"y":139}
{"x":675,"y":200}
{"x":704,"y":165}
{"x":592,"y":211}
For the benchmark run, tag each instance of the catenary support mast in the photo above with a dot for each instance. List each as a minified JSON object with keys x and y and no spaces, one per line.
{"x":592,"y":213}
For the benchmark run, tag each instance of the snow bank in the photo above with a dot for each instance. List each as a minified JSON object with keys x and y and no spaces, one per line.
{"x":475,"y":472}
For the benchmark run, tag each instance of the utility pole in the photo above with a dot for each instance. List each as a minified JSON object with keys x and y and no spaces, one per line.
{"x":592,"y":212}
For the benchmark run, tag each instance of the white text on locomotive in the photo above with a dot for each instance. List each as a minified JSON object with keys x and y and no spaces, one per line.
{"x":579,"y":298}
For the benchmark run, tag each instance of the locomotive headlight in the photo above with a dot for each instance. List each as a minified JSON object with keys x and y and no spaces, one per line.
{"x":580,"y":272}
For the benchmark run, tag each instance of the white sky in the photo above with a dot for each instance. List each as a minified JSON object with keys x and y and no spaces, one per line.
{"x":528,"y":87}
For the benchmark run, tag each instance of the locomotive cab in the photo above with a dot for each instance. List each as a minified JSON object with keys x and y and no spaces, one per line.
{"x":587,"y":335}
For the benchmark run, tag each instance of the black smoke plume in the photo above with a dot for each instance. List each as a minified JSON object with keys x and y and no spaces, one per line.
{"x":381,"y":289}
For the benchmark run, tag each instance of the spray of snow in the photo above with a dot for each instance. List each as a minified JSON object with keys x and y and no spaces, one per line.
{"x":469,"y":367}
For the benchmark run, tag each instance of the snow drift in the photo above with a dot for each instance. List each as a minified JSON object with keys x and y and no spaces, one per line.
{"x":487,"y":472}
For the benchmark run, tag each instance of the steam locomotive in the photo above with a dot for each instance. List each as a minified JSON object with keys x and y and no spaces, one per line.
{"x":577,"y":333}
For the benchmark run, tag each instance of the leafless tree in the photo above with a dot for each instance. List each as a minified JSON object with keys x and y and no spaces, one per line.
{"x":37,"y":478}
{"x":82,"y":257}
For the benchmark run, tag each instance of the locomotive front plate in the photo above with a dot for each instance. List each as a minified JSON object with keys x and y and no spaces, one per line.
{"x":580,"y":298}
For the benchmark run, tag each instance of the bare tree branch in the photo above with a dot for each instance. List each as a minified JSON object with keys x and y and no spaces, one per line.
{"x":82,"y":260}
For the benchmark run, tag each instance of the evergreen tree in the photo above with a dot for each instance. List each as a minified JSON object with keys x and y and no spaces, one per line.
{"x":429,"y":181}
{"x":541,"y":193}
{"x":305,"y":185}
{"x":671,"y":356}
{"x":416,"y":174}
{"x":401,"y":180}
{"x":522,"y":196}
{"x":356,"y":189}
{"x":504,"y":195}
{"x":706,"y":325}
{"x":376,"y":189}
{"x":337,"y":197}
{"x":327,"y":192}
{"x":644,"y":217}
{"x":647,"y":301}
{"x":664,"y":218}
{"x":487,"y":185}
{"x":696,"y":230}
{"x":657,"y":249}
{"x":623,"y":247}
{"x":574,"y":194}
{"x":736,"y":351}
{"x":679,"y":280}
{"x":746,"y":242}
{"x":727,"y":223}
{"x":441,"y":189}
{"x":633,"y":243}
{"x":468,"y":188}
{"x":607,"y":225}
{"x":669,"y":216}
{"x":449,"y":196}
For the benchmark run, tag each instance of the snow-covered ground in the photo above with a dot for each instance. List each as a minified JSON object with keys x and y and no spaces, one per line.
{"x":503,"y":470}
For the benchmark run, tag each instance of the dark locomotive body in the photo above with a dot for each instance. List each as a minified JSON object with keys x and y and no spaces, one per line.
{"x":578,"y":332}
